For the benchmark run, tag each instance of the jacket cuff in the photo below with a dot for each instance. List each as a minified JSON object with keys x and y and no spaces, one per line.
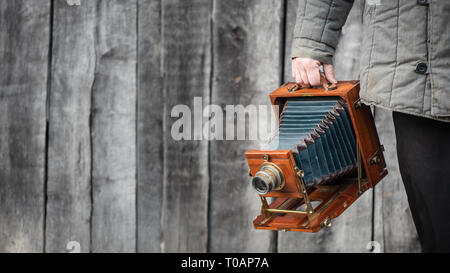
{"x":306,"y":48}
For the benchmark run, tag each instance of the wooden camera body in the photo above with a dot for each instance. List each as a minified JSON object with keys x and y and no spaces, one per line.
{"x":299,"y":206}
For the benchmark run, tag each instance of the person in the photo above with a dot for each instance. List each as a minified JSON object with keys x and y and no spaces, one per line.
{"x":404,"y":67}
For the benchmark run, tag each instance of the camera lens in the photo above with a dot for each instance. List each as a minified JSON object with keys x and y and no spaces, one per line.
{"x":261,"y":185}
{"x":268,"y":178}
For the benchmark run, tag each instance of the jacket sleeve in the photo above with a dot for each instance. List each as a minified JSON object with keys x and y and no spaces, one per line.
{"x":318,"y":27}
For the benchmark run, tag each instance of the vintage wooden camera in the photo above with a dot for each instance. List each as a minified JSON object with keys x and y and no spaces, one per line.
{"x":325,"y":154}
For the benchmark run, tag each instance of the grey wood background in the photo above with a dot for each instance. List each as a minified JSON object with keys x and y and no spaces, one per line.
{"x":86,"y":154}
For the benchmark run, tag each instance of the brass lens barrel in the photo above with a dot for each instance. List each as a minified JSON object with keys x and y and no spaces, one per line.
{"x":268,"y":178}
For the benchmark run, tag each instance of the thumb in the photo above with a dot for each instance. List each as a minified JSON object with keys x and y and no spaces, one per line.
{"x":329,"y":73}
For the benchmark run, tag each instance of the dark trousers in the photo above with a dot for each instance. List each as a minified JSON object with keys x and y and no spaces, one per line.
{"x":423,"y":148}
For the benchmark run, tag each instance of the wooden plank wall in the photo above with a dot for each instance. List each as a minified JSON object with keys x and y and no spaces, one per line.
{"x":246,"y":68}
{"x":187,"y":74}
{"x":69,"y":139}
{"x":150,"y":126}
{"x":24,"y":47}
{"x":87,"y":159}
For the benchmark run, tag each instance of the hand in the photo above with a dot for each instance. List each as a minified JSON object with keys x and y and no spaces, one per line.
{"x":306,"y":72}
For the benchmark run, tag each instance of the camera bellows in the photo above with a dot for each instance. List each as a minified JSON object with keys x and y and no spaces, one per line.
{"x":319,"y":133}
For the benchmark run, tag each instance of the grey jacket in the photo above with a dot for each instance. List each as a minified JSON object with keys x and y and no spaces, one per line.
{"x":405,"y":53}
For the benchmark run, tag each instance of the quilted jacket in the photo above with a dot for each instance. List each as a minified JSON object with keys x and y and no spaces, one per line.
{"x":405,"y":52}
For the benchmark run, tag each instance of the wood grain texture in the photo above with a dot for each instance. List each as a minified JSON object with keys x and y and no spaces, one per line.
{"x":150,"y":132}
{"x":288,"y":28}
{"x":187,"y":67}
{"x":247,"y":65}
{"x":24,"y":46}
{"x":394,"y":227}
{"x":69,"y":141}
{"x":113,"y":128}
{"x":352,"y":231}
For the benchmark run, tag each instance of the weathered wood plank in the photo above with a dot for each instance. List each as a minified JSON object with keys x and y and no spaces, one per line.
{"x":187,"y":61}
{"x":150,"y":117}
{"x":247,"y":66}
{"x":394,"y":227}
{"x":114,"y":129}
{"x":69,"y":143}
{"x":24,"y":46}
{"x":289,"y":25}
{"x":352,"y":231}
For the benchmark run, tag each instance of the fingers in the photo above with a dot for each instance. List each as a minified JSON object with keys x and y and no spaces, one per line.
{"x":306,"y":71}
{"x":329,"y":73}
{"x":314,"y":75}
{"x":303,"y":76}
{"x":296,"y":75}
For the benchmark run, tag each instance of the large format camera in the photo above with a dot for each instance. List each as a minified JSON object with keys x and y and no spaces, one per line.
{"x":325,"y":154}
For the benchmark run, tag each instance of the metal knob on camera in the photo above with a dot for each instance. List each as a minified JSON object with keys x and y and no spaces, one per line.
{"x":268,"y":178}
